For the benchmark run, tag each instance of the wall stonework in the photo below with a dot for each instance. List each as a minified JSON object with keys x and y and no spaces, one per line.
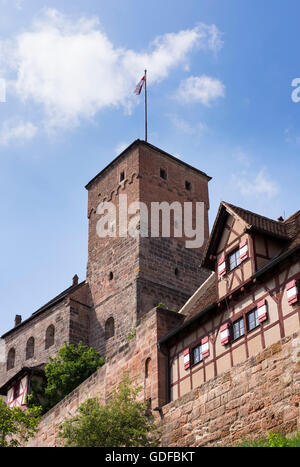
{"x":131,"y":360}
{"x":259,"y":395}
{"x":70,"y":318}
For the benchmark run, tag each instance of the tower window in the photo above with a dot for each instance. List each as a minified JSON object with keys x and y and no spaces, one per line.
{"x":111,"y":276}
{"x":188,"y":185}
{"x":176,"y":272}
{"x":163,"y":174}
{"x":122,"y":176}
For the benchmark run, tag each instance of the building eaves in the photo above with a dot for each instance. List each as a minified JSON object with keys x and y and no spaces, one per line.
{"x":46,"y":307}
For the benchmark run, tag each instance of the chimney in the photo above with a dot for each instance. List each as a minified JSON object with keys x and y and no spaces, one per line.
{"x":75,"y":280}
{"x":18,"y":320}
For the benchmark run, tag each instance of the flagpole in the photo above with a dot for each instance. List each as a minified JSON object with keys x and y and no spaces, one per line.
{"x":146,"y":109}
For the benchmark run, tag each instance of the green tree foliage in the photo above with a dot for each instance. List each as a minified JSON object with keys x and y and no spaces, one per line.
{"x":17,"y":426}
{"x":122,"y":422}
{"x":64,"y":373}
{"x":273,"y":440}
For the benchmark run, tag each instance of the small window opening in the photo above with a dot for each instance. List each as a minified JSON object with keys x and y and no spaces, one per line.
{"x":111,"y":276}
{"x":163,"y":174}
{"x":109,"y":328}
{"x":188,"y":186}
{"x":176,"y":272}
{"x":122,"y":176}
{"x":148,"y":367}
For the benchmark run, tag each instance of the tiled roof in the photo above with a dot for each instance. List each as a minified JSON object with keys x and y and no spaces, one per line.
{"x":48,"y":305}
{"x":261,"y":223}
{"x":292,"y":225}
{"x":209,"y":297}
{"x":33,"y":370}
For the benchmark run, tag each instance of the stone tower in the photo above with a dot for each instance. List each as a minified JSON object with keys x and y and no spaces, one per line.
{"x":129,"y":276}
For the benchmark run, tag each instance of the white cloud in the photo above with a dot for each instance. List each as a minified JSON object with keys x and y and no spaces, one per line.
{"x":17,"y":132}
{"x":73,"y":70}
{"x":203,"y":89}
{"x":257,"y":186}
{"x":186,"y":127}
{"x":18,"y":4}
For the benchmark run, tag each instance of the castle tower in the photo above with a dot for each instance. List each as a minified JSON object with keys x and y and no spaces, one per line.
{"x":128,"y":276}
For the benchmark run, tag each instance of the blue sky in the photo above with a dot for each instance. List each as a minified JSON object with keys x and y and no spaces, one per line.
{"x":220,"y":75}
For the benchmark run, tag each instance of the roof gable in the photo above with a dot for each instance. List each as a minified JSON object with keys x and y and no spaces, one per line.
{"x":252,"y":222}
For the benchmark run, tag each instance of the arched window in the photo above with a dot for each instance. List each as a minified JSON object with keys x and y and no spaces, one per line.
{"x":11,"y":357}
{"x":109,"y":328}
{"x":30,"y":348}
{"x":148,"y":368}
{"x":50,"y":333}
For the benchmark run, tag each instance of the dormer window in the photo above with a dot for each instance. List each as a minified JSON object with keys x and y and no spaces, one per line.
{"x":234,"y":259}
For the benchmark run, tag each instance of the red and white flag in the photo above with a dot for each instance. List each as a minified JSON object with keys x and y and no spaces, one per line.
{"x":139,"y":86}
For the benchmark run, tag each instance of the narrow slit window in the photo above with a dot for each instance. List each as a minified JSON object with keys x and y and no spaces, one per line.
{"x":122,"y":176}
{"x":188,"y":186}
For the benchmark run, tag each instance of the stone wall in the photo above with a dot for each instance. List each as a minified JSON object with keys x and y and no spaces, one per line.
{"x":260,"y":395}
{"x":132,"y":360}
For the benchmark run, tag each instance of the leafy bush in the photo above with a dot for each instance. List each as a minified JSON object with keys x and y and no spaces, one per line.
{"x":17,"y":425}
{"x":274,"y":440}
{"x":122,"y":422}
{"x":64,"y":373}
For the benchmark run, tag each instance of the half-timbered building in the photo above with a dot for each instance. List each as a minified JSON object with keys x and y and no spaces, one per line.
{"x":250,"y":301}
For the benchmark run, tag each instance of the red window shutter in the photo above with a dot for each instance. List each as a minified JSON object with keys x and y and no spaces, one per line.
{"x":186,"y":359}
{"x":292,"y":292}
{"x":244,"y":250}
{"x":262,"y":311}
{"x":205,"y":347}
{"x":222,"y":266}
{"x":225,"y":334}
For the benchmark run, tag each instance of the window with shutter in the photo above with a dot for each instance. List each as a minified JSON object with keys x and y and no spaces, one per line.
{"x":252,"y":320}
{"x":292,"y":292}
{"x":222,"y":266}
{"x":205,"y":347}
{"x":262,"y":312}
{"x":186,"y":359}
{"x":238,"y":328}
{"x":244,"y":251}
{"x":234,"y":260}
{"x":225,"y":334}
